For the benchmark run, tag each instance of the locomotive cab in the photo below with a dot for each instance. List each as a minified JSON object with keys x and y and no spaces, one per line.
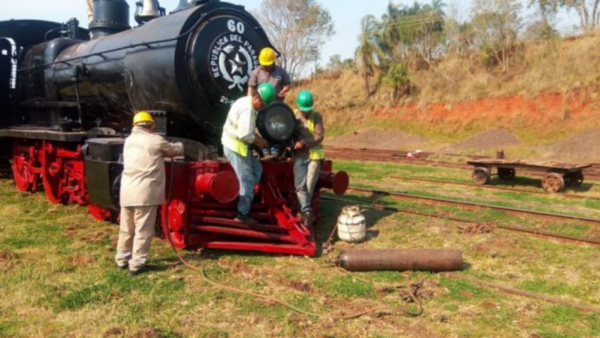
{"x":6,"y":79}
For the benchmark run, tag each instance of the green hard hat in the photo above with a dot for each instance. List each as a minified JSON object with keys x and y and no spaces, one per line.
{"x":267,"y":93}
{"x":305,"y":101}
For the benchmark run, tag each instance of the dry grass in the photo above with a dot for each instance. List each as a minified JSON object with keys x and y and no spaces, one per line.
{"x":58,"y":279}
{"x":563,"y":72}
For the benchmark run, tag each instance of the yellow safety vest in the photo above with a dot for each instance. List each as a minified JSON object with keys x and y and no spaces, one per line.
{"x":230,"y":141}
{"x":316,"y":152}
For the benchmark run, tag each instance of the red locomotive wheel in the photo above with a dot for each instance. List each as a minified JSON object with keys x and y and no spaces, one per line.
{"x":21,"y":168}
{"x":99,"y":213}
{"x":52,"y":182}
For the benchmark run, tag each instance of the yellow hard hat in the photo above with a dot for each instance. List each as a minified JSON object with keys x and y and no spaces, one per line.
{"x":142,"y":117}
{"x":267,"y":56}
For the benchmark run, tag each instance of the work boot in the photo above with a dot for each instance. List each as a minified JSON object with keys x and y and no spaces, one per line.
{"x":310,"y":216}
{"x":246,"y":219}
{"x":304,"y":217}
{"x":138,"y":271}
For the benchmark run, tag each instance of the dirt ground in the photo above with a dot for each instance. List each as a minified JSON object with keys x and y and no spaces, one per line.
{"x":561,"y":126}
{"x":490,"y":139}
{"x":378,"y":138}
{"x":581,"y":146}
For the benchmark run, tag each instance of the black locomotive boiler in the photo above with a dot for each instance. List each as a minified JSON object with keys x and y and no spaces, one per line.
{"x":67,"y":101}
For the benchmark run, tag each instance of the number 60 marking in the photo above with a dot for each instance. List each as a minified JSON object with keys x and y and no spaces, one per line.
{"x":236,"y":27}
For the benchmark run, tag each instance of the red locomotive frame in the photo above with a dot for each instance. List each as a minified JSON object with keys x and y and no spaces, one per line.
{"x":202,"y":198}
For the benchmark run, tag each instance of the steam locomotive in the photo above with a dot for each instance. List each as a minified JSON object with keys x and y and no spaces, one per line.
{"x":67,"y":102}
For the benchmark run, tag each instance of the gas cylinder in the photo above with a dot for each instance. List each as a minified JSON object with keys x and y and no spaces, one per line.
{"x":434,"y":260}
{"x":351,"y":225}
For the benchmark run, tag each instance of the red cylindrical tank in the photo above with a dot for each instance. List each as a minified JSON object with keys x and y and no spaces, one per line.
{"x":338,"y":182}
{"x":223,"y":186}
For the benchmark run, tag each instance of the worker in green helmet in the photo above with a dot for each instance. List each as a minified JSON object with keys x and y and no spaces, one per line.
{"x":238,"y":135}
{"x":308,"y":153}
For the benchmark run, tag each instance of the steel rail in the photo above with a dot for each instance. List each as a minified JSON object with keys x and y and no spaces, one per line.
{"x":524,"y":293}
{"x":381,"y":155}
{"x":539,"y":192}
{"x":540,"y":233}
{"x":478,"y":206}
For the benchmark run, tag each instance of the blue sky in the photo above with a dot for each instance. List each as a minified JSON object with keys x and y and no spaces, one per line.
{"x":346,"y":15}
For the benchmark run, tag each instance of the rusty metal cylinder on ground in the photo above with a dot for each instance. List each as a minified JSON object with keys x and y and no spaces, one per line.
{"x":433,"y":260}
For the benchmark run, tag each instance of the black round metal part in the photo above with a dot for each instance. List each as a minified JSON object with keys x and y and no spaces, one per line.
{"x":224,"y":52}
{"x":277,"y":123}
{"x":481,"y":175}
{"x":574,"y":179}
{"x":192,"y":65}
{"x":506,"y":174}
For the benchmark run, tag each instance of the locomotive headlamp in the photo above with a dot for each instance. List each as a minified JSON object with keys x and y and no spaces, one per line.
{"x":277,"y":123}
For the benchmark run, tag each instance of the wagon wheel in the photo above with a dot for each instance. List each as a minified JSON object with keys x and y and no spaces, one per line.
{"x":573,"y":179}
{"x":506,"y":174}
{"x":481,"y":175}
{"x":553,"y":182}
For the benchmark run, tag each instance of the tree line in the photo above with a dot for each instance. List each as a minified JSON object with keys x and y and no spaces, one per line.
{"x":408,"y":38}
{"x":411,"y":38}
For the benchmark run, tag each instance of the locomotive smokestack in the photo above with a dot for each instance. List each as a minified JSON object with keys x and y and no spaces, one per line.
{"x":109,"y":17}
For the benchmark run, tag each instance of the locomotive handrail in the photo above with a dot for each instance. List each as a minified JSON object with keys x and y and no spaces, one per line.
{"x":147,"y":44}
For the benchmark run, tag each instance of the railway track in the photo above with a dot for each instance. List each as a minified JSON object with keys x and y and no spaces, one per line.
{"x":489,"y":187}
{"x":478,"y":206}
{"x":537,"y":233}
{"x":395,"y":156}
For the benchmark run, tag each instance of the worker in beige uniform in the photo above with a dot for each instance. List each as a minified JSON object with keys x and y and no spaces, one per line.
{"x":308,"y":153}
{"x":142,"y":191}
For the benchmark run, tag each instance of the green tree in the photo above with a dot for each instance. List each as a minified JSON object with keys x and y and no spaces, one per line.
{"x":368,"y":54}
{"x":336,"y":64}
{"x":587,"y":10}
{"x":405,"y":35}
{"x":496,"y":24}
{"x":414,"y":32}
{"x":543,"y":28}
{"x":397,"y":77}
{"x":298,"y":28}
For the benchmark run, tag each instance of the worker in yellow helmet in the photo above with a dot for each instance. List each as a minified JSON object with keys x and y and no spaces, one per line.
{"x":142,"y":191}
{"x":308,"y":153}
{"x":269,"y":72}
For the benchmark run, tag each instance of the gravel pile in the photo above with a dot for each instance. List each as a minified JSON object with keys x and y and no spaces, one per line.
{"x":490,"y":139}
{"x":378,"y":139}
{"x":581,"y":146}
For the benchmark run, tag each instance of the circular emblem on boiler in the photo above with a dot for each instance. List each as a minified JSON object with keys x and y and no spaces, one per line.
{"x":232,"y":59}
